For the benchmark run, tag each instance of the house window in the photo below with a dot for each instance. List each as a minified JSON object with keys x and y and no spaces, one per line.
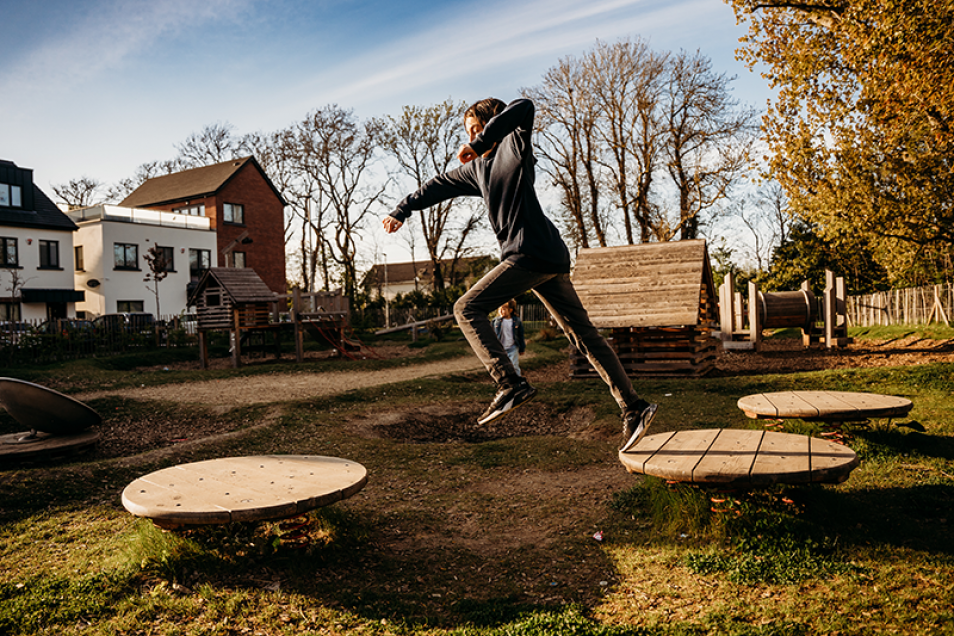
{"x":9,"y":311}
{"x":125,"y":256}
{"x":78,"y":258}
{"x":191,"y":210}
{"x":129,"y":306}
{"x":168,"y":256}
{"x":8,"y":252}
{"x":10,"y":196}
{"x":199,"y":262}
{"x":233,"y":213}
{"x":49,"y":254}
{"x":238,"y":259}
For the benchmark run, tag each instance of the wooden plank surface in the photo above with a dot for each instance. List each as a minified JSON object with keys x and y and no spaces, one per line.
{"x":782,"y":458}
{"x":242,"y":488}
{"x":729,"y":458}
{"x":655,"y":284}
{"x":831,"y":462}
{"x":637,"y":457}
{"x":679,"y":456}
{"x":740,"y":457}
{"x":823,"y":405}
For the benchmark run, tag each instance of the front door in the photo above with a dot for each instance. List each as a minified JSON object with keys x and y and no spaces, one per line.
{"x":55,"y":310}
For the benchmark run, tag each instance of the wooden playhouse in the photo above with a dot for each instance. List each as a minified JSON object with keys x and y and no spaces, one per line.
{"x":659,"y":303}
{"x":237,"y":300}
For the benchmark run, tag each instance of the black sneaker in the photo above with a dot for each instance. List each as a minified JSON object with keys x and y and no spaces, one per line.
{"x":635,"y":424}
{"x":509,"y":397}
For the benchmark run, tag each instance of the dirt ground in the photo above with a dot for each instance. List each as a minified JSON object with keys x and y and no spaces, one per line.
{"x":442,"y":422}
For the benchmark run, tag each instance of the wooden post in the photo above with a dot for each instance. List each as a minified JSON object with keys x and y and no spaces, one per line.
{"x":236,"y":335}
{"x":807,"y":333}
{"x":755,"y":316}
{"x":841,"y":305}
{"x":296,"y":321}
{"x":203,"y":349}
{"x":726,"y":313}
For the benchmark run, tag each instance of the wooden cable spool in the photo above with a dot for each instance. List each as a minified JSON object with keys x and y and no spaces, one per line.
{"x":788,"y":309}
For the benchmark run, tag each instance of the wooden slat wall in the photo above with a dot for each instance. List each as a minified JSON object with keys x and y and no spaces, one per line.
{"x":660,"y":303}
{"x":650,"y":285}
{"x":656,"y":352}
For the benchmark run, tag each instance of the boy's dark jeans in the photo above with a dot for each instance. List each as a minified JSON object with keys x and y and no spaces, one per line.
{"x":508,"y":281}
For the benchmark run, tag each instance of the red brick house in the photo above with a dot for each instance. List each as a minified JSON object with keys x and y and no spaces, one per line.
{"x":246,"y":209}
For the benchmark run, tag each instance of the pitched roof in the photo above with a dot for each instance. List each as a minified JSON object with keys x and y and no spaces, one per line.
{"x":241,"y":284}
{"x":191,"y":184}
{"x":649,"y":285}
{"x":397,"y":273}
{"x":45,"y":213}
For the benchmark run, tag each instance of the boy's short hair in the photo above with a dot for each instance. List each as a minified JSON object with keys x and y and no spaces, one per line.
{"x":484,"y":110}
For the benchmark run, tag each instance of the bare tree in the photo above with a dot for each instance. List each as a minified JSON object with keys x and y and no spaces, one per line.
{"x":626,"y":79}
{"x":213,"y":144}
{"x":123,"y":188}
{"x":78,"y":193}
{"x":708,"y":138}
{"x":566,"y":126}
{"x":338,"y":153}
{"x":423,"y":142}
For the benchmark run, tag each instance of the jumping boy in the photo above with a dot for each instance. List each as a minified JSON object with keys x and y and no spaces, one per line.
{"x":499,"y":166}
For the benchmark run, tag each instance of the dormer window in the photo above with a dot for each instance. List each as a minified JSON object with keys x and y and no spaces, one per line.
{"x":10,"y":196}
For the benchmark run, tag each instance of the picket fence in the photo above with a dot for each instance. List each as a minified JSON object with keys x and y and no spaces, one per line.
{"x":911,"y":306}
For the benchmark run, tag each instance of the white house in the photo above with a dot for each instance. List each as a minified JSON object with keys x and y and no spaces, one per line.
{"x":110,"y":265}
{"x":36,"y":251}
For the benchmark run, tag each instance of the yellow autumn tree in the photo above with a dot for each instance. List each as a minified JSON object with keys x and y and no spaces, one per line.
{"x":861,"y":132}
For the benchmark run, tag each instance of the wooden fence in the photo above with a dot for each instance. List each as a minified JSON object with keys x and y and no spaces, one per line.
{"x":912,"y":306}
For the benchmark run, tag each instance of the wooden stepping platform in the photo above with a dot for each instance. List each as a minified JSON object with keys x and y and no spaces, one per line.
{"x":740,"y":458}
{"x":59,"y":424}
{"x":254,"y":488}
{"x":44,"y":409}
{"x":38,"y":445}
{"x":830,"y":406}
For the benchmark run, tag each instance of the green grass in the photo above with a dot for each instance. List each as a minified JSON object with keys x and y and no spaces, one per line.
{"x":495,"y":538}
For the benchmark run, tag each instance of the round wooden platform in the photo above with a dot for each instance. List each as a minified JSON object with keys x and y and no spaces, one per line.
{"x":252,"y":488}
{"x":740,"y":458}
{"x":43,"y":409}
{"x":35,"y":445}
{"x":831,"y":406}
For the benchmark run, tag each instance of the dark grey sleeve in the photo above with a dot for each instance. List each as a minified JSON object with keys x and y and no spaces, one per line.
{"x":518,"y":115}
{"x":461,"y":182}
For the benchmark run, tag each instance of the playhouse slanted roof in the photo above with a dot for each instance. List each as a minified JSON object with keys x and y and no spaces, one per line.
{"x":242,"y":285}
{"x":649,"y":285}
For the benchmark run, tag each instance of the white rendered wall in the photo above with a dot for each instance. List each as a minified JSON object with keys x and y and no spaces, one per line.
{"x":99,"y":234}
{"x":29,"y":274}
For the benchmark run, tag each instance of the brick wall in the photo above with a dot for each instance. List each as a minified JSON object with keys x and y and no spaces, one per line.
{"x":264,"y":221}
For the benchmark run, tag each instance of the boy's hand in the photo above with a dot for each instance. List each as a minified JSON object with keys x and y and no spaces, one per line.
{"x":466,"y":154}
{"x":391,"y":224}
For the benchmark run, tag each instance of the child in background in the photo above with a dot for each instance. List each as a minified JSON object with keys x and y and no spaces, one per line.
{"x":509,"y":330}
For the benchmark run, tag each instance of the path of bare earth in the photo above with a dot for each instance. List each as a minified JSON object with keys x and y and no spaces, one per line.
{"x":233,"y":392}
